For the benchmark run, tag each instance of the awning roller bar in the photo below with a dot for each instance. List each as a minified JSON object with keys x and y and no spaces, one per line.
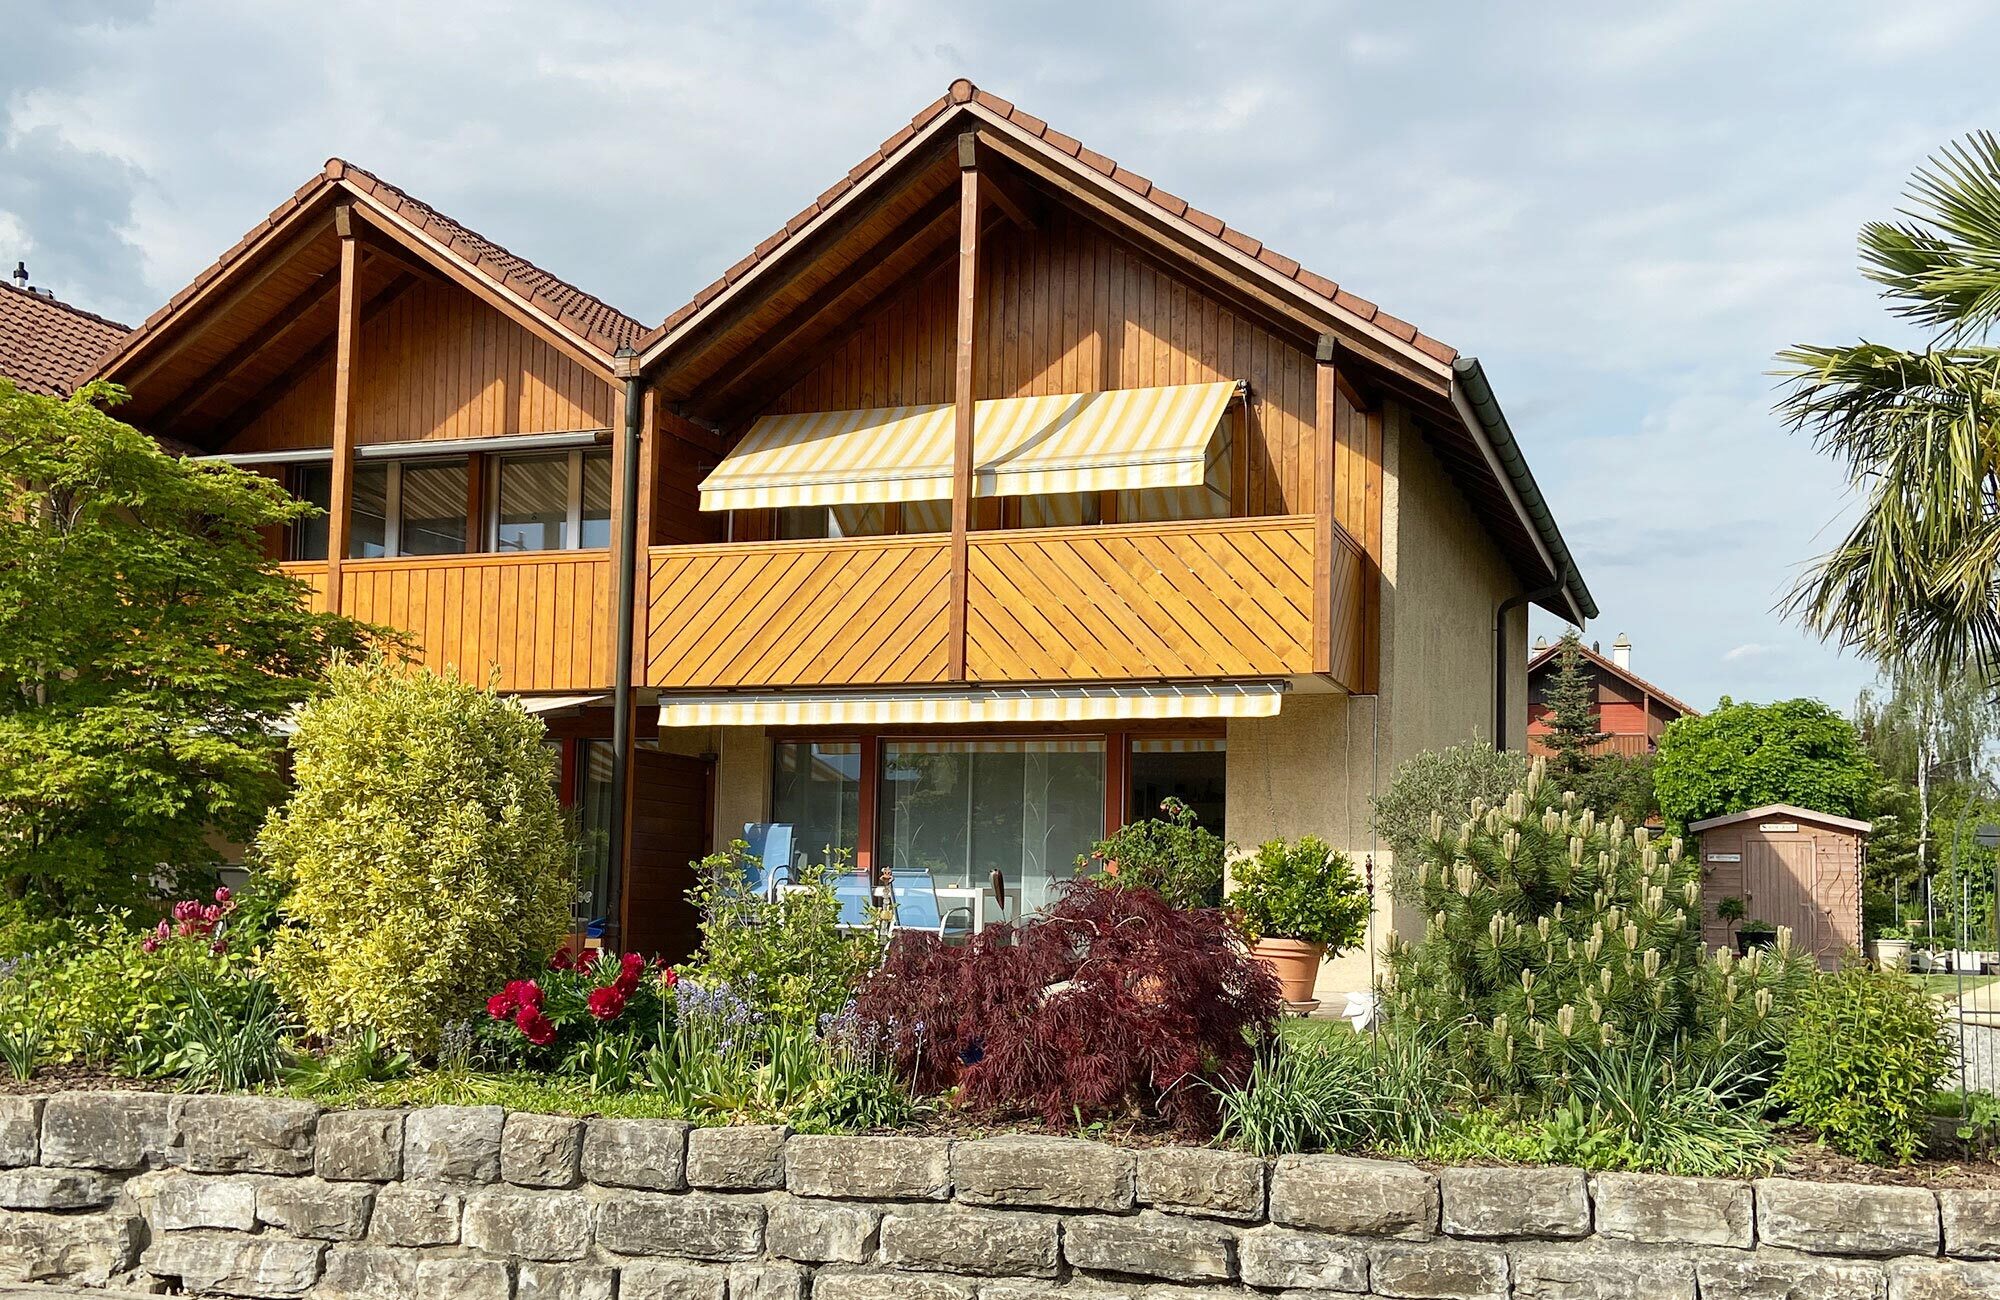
{"x":410,"y":450}
{"x":1012,"y":705}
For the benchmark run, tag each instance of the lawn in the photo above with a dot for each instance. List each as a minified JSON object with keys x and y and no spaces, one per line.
{"x":1948,"y":985}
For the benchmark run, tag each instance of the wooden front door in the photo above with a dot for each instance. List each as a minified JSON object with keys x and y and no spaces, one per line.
{"x":670,"y":831}
{"x":1778,"y":876}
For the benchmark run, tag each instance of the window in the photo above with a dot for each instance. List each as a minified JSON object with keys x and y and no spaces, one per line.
{"x":593,"y":824}
{"x":407,"y":508}
{"x":368,"y":520}
{"x":816,"y":789}
{"x":965,"y":809}
{"x":551,"y":502}
{"x":1190,"y":770}
{"x":312,"y":484}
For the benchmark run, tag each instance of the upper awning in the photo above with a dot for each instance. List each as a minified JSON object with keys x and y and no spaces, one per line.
{"x":1020,"y":704}
{"x":1125,"y":439}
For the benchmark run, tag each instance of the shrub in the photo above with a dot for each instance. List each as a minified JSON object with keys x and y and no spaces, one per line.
{"x":1866,"y":1052}
{"x":1112,"y":1003}
{"x":1444,"y":783}
{"x":1300,"y":890}
{"x":1550,"y":939}
{"x":787,"y":957}
{"x":1745,"y":755}
{"x":1173,"y":855}
{"x":424,"y":851}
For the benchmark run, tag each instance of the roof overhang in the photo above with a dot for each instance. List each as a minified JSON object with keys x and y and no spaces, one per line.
{"x":1783,"y":812}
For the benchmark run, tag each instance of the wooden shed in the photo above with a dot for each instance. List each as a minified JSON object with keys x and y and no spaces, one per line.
{"x":1792,"y":867}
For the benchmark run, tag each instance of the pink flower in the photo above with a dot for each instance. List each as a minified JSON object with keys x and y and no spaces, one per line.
{"x":535,"y":1026}
{"x":219,"y":947}
{"x":669,"y":977}
{"x":222,"y":895}
{"x":606,"y":1003}
{"x":150,"y":944}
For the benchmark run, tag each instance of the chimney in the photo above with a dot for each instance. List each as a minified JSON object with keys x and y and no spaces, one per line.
{"x":1621,"y":652}
{"x":20,"y":275}
{"x":1541,"y":644}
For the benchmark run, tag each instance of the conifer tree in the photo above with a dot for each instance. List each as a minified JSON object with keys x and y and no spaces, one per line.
{"x":1571,"y":698}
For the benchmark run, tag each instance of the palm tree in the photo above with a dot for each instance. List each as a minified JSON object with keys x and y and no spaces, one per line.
{"x":1915,"y":584}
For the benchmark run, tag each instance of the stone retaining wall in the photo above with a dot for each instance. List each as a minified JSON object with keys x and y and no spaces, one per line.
{"x":257,"y":1196}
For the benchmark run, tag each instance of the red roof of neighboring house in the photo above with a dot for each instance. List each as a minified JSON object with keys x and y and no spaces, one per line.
{"x":46,"y":345}
{"x":1626,"y":675}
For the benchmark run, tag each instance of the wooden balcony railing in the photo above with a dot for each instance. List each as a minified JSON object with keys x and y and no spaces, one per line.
{"x":543,"y":619}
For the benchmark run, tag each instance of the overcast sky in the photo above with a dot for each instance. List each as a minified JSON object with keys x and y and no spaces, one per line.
{"x":1622,"y":216}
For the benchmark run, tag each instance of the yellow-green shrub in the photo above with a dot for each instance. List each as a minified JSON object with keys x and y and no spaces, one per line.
{"x":424,"y":849}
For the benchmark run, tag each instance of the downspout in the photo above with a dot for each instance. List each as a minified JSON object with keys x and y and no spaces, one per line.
{"x":1555,"y":589}
{"x":621,"y":660}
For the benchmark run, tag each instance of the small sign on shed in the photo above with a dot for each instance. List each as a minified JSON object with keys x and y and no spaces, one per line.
{"x":1792,"y":868}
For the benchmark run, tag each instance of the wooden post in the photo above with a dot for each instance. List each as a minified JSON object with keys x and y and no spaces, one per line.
{"x":1325,"y":432}
{"x":347,"y":343}
{"x":475,"y":502}
{"x":962,"y":390}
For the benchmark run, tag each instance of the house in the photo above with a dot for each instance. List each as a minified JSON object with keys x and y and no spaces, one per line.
{"x":1631,"y":711}
{"x":44,"y":342}
{"x":995,"y":495}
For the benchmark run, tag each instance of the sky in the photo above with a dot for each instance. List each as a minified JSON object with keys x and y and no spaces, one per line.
{"x":1623,"y":211}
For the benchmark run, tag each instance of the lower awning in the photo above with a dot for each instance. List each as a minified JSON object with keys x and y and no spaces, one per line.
{"x":546,"y":704}
{"x":1002,"y":704}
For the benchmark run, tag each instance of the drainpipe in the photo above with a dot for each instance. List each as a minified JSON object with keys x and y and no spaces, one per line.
{"x":621,"y":661}
{"x":1500,"y":664}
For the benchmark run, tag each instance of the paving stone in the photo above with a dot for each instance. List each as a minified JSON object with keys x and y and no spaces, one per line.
{"x":1665,"y":1210}
{"x":865,"y":1168}
{"x":1440,"y":1270}
{"x":535,"y":1280}
{"x":453,"y":1144}
{"x":821,"y":1232}
{"x":88,"y":1250}
{"x":1201,"y":1180}
{"x":360,"y":1145}
{"x":56,"y":1189}
{"x":1286,"y":1258}
{"x":20,"y":1131}
{"x":415,"y":1216}
{"x":671,"y":1280}
{"x":105,"y":1130}
{"x":742,"y":1158}
{"x":1368,"y":1198}
{"x":1046,"y":1172}
{"x":962,"y":1239}
{"x":698,"y":1225}
{"x":543,"y":1225}
{"x":649,"y":1154}
{"x":253,"y":1135}
{"x":1148,"y":1244}
{"x":541,"y":1150}
{"x":1847,"y":1218}
{"x":312,"y":1207}
{"x":1515,"y":1202}
{"x":264,"y":1265}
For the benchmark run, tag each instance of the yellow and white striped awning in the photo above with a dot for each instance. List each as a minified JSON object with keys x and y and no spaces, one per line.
{"x":1019,"y":704}
{"x":1127,"y":439}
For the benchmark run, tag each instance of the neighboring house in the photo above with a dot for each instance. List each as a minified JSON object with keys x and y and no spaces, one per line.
{"x":994,"y":496}
{"x":44,"y":342}
{"x":1631,"y":711}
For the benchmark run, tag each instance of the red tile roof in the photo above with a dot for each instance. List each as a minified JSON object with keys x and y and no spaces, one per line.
{"x":46,"y":344}
{"x":595,"y":321}
{"x":1544,"y":658}
{"x":963,"y":92}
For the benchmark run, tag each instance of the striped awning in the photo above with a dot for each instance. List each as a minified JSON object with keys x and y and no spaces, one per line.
{"x":1019,"y":704}
{"x":1127,"y":439}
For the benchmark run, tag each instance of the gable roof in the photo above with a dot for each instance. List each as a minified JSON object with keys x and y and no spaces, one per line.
{"x":1626,"y":675}
{"x":592,"y":323}
{"x":46,"y":344}
{"x":1790,"y":810}
{"x":1459,"y":404}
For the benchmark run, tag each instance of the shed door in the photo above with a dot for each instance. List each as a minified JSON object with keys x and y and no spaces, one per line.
{"x":1778,"y":879}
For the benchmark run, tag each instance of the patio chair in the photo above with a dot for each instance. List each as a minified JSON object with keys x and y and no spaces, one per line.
{"x":856,"y":895}
{"x":914,"y":900}
{"x":767,"y":866}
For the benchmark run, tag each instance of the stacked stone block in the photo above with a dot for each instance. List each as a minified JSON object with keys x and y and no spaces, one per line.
{"x":267,"y":1197}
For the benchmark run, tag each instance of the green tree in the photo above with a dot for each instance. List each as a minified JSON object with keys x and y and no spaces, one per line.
{"x":146,"y":646}
{"x":1571,"y":699}
{"x":424,"y":851}
{"x":1913,"y":582}
{"x":1745,"y":755}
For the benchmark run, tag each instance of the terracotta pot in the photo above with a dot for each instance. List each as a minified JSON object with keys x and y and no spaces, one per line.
{"x":1294,"y":962}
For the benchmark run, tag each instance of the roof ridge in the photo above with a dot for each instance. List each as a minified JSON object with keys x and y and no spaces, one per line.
{"x":69,"y":307}
{"x":963,"y":92}
{"x":1542,"y":657}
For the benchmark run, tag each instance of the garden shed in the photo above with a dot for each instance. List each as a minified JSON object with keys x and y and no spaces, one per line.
{"x":1790,"y":867}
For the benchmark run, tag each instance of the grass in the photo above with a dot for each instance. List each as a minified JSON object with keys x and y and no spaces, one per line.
{"x":1302,"y":1031}
{"x":541,"y":1094}
{"x":1947,"y":985}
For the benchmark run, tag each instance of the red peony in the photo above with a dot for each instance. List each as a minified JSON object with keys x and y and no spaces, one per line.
{"x":526,"y":993}
{"x":630,"y":967}
{"x":606,"y":1003}
{"x":561,"y":961}
{"x":669,"y":977}
{"x":500,"y":1006}
{"x":535,"y":1026}
{"x":586,"y":960}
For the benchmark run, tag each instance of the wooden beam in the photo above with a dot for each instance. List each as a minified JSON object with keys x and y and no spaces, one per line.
{"x":992,"y":191}
{"x":347,"y":345}
{"x":238,"y":418}
{"x":963,"y":379}
{"x":1325,"y":418}
{"x":261,"y":338}
{"x":475,"y":501}
{"x":650,"y":439}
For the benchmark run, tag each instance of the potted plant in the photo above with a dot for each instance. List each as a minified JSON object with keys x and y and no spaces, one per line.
{"x":1295,"y":900}
{"x":1753,"y":934}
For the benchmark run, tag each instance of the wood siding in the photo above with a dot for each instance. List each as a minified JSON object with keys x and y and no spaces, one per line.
{"x":1225,"y":599}
{"x":1069,"y":308}
{"x":313,"y":574}
{"x":543,"y":620}
{"x":438,"y":363}
{"x":862,"y":612}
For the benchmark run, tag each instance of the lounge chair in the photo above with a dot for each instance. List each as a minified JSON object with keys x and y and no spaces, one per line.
{"x":767,"y":866}
{"x":856,"y":894}
{"x":913,"y":895}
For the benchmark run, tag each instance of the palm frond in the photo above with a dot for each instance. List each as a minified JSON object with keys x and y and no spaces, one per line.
{"x":1942,"y":264}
